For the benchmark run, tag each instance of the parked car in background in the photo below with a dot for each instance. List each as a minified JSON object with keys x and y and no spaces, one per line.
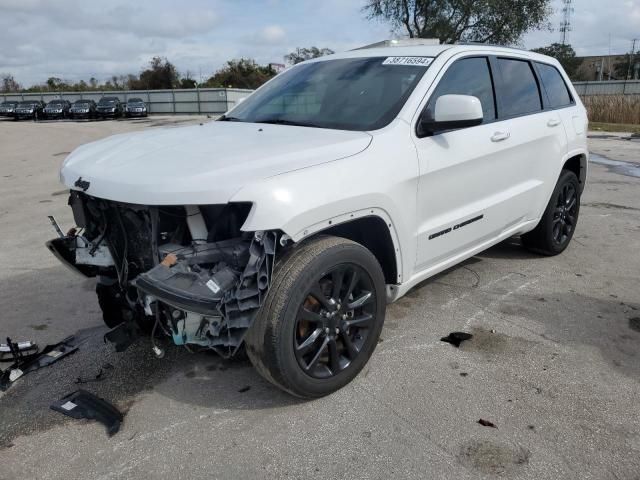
{"x":56,"y":109}
{"x":7,"y":108}
{"x":31,"y":109}
{"x":289,"y":229}
{"x":109,"y":107}
{"x":83,"y":109}
{"x":135,"y":107}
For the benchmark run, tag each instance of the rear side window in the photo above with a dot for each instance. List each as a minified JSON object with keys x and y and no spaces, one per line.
{"x":469,"y":76}
{"x":557,"y":91}
{"x":519,"y":93}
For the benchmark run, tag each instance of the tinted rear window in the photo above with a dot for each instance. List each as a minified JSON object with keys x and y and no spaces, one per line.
{"x":554,"y":85}
{"x":519,"y":92}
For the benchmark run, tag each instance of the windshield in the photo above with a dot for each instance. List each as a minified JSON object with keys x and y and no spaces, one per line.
{"x":8,"y":104}
{"x":27,"y":104}
{"x":135,"y":100}
{"x":55,"y":104}
{"x":105,"y":101}
{"x":347,"y":94}
{"x":81,"y":104}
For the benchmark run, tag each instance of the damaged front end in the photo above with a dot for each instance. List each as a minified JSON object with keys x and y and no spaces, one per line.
{"x":187,"y":272}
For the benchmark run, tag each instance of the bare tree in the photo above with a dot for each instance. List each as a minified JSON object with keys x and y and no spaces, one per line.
{"x":8,"y":84}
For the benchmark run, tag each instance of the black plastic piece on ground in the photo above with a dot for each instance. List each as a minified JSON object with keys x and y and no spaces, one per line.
{"x":82,"y":404}
{"x":456,"y":338}
{"x":28,"y":363}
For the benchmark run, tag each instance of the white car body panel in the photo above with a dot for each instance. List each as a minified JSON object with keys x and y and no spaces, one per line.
{"x":303,"y":180}
{"x":201,"y":164}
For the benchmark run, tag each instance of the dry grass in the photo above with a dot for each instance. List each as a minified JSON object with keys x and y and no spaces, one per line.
{"x":613,"y":108}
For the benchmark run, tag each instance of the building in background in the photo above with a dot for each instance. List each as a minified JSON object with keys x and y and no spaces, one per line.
{"x":609,"y":67}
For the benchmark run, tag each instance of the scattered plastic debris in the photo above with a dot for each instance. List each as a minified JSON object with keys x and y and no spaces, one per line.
{"x":487,"y":423}
{"x":23,"y":364}
{"x":456,"y":338}
{"x":82,"y":404}
{"x":7,"y":349}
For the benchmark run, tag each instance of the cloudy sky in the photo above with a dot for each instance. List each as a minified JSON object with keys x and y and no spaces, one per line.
{"x":78,"y":39}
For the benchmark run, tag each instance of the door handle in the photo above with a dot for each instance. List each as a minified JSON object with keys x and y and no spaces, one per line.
{"x":500,"y":136}
{"x":554,"y":122}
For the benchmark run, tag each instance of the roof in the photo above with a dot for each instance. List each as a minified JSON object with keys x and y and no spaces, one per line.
{"x":433,"y":51}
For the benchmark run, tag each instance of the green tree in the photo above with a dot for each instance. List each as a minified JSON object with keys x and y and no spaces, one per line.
{"x":54,"y":83}
{"x":500,"y":22}
{"x":302,"y":54}
{"x":565,"y":54}
{"x":241,"y":73}
{"x":161,"y":74}
{"x":8,"y":84}
{"x":187,"y":81}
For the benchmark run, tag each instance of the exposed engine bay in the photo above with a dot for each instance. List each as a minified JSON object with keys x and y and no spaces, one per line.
{"x":187,"y":272}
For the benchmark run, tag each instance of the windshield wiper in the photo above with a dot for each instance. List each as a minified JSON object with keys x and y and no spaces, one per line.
{"x":282,"y":121}
{"x":225,"y":118}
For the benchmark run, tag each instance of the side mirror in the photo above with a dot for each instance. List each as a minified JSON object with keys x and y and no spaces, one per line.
{"x":452,"y":112}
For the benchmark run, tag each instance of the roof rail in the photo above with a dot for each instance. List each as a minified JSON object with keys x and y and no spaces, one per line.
{"x":483,"y":44}
{"x":402,"y":42}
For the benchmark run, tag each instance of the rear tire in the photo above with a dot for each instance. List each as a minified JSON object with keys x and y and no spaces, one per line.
{"x":321,"y":319}
{"x":558,"y":223}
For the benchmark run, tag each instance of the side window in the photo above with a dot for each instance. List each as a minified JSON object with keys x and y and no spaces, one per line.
{"x":519,"y":93}
{"x":554,"y":85}
{"x":469,"y":76}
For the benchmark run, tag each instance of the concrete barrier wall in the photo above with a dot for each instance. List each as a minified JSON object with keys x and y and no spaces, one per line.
{"x":214,"y":101}
{"x":609,"y":87}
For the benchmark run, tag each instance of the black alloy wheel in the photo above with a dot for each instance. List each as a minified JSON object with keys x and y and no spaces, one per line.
{"x":565,"y":213}
{"x":558,"y":223}
{"x":321,"y":319}
{"x":334,"y":321}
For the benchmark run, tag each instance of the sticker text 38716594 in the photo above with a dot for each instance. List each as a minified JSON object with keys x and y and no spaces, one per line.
{"x":415,"y":61}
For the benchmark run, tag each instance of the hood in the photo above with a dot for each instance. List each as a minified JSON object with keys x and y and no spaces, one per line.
{"x":200,"y":164}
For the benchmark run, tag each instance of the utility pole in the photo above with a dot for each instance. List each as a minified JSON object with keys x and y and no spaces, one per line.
{"x":565,"y":25}
{"x":631,"y":58}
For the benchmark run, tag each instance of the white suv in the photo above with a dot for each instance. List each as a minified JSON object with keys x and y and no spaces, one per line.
{"x":287,"y":225}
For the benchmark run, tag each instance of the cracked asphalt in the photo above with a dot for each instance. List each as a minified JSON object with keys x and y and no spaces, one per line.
{"x":554,"y":362}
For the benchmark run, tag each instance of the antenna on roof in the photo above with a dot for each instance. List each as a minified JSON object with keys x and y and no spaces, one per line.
{"x":565,"y":25}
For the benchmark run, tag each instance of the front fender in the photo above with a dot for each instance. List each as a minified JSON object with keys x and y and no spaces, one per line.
{"x":380,"y":181}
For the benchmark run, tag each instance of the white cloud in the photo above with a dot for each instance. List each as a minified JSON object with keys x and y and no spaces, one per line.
{"x":273,"y":34}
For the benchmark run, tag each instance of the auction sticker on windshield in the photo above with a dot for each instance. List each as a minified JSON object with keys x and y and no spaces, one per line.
{"x":417,"y":61}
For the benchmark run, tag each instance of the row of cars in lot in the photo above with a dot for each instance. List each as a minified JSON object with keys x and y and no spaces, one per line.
{"x":107,"y":107}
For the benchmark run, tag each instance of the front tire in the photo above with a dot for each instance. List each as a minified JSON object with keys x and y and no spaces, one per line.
{"x":558,"y":223}
{"x":321,"y":319}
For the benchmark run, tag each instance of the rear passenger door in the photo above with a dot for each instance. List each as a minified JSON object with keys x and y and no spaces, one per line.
{"x":559,"y":97}
{"x":537,"y":136}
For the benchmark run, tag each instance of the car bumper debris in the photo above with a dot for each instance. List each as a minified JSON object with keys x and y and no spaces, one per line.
{"x":85,"y":405}
{"x":24,"y":364}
